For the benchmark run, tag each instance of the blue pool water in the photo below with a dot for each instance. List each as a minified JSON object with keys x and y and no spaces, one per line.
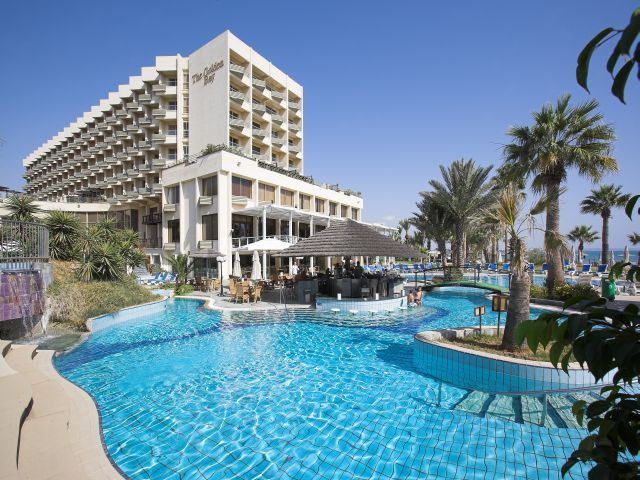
{"x":499,"y":279}
{"x":193,"y":393}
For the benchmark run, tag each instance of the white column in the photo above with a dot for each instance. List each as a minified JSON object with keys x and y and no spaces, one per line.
{"x":264,"y":236}
{"x":290,"y":237}
{"x":311,"y":232}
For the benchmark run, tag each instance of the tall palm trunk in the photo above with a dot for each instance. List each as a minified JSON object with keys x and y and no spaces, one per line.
{"x":457,"y":260}
{"x":605,"y":239}
{"x":494,"y":249}
{"x":442,"y":246}
{"x":518,"y":310}
{"x":581,"y":251}
{"x":555,"y":275}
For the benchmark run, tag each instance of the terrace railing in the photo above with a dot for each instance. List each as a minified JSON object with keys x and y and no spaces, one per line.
{"x":23,"y":242}
{"x":238,"y":242}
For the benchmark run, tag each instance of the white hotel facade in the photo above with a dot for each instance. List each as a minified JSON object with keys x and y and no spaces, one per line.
{"x":199,"y":154}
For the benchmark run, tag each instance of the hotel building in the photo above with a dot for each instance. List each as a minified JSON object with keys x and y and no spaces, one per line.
{"x":199,"y":154}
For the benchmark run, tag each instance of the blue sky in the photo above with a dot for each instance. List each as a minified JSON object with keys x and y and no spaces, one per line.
{"x":392,"y":89}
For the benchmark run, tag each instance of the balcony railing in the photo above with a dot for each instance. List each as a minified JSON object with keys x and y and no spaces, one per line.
{"x":238,"y":242}
{"x":152,"y":219}
{"x":234,"y":67}
{"x":150,"y":242}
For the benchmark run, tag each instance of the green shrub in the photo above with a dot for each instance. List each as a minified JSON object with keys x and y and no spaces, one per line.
{"x":537,"y":257}
{"x":538,"y":291}
{"x":566,"y":291}
{"x":73,"y":301}
{"x":184,"y":290}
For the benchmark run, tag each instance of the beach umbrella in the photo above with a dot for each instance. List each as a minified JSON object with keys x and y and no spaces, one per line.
{"x":625,"y":255}
{"x":499,"y":256}
{"x":256,"y":268}
{"x":236,"y":272}
{"x":612,"y":258}
{"x":573,"y":254}
{"x":482,"y":259}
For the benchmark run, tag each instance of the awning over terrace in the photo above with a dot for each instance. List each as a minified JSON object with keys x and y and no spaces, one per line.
{"x":286,"y":213}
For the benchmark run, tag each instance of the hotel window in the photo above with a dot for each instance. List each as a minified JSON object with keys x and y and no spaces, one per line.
{"x":185,"y":129}
{"x":233,"y":142}
{"x":174,"y":231}
{"x":255,"y":150}
{"x":172,"y":130}
{"x":241,"y":226}
{"x":185,"y":103}
{"x":305,"y":202}
{"x":255,"y":125}
{"x":271,"y":227}
{"x":172,"y":106}
{"x":173,"y":154}
{"x":274,"y":158}
{"x":173,"y":194}
{"x":319,"y":205}
{"x":172,"y":82}
{"x":241,"y":187}
{"x":185,"y":150}
{"x":354,"y":213}
{"x":233,"y":89}
{"x":290,"y":142}
{"x":233,"y":114}
{"x":304,"y":230}
{"x":210,"y":227}
{"x":344,"y":211}
{"x":333,"y":209}
{"x":266,"y":193}
{"x":270,"y":110}
{"x":185,"y":78}
{"x":210,"y":186}
{"x":286,"y":197}
{"x":284,"y":227}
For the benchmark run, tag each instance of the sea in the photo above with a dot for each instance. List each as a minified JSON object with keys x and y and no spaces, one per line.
{"x":593,"y":256}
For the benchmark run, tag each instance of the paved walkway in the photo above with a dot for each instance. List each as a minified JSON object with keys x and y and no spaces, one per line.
{"x":50,"y":428}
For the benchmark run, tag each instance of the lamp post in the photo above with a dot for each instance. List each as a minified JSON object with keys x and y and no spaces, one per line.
{"x":220,"y":260}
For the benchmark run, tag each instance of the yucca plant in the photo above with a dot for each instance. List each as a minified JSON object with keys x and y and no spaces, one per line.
{"x":21,"y":208}
{"x":64,"y":232}
{"x":182,"y":266}
{"x":103,"y":263}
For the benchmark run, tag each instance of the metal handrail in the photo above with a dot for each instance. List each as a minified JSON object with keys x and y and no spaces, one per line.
{"x":23,"y":242}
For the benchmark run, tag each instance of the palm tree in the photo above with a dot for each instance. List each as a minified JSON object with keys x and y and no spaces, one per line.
{"x":64,"y":231}
{"x":601,"y":202}
{"x":582,"y":234}
{"x":508,"y":212}
{"x":634,"y":238}
{"x":562,"y":137}
{"x":21,"y":208}
{"x":435,"y":221}
{"x":464,"y":192}
{"x":181,"y":266}
{"x":403,"y":226}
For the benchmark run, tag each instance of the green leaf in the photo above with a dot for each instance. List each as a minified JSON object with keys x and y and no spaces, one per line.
{"x":522,"y":330}
{"x":630,"y":32}
{"x":582,"y":70}
{"x":629,"y":207}
{"x":597,"y":408}
{"x":554,"y":353}
{"x":620,"y":81}
{"x":613,"y":59}
{"x":578,"y":410}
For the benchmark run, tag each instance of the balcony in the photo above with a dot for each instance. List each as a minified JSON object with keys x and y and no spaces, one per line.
{"x":152,"y":219}
{"x":111,"y":160}
{"x":205,"y":200}
{"x":150,"y":242}
{"x":294,"y":105}
{"x":169,"y":207}
{"x":259,"y":132}
{"x":235,"y":68}
{"x":237,"y":96}
{"x":111,"y":180}
{"x":145,"y":98}
{"x":159,"y":162}
{"x":277,"y":95}
{"x":157,"y":188}
{"x":133,"y":151}
{"x":122,"y":176}
{"x":144,"y":144}
{"x":111,"y":120}
{"x":144,"y":122}
{"x":170,"y":246}
{"x":122,"y":197}
{"x":237,"y":122}
{"x":293,"y":148}
{"x":110,"y":140}
{"x":121,"y":113}
{"x":144,"y":168}
{"x":121,"y":156}
{"x":132,"y":172}
{"x":258,"y":107}
{"x":132,"y":105}
{"x":121,"y":135}
{"x":208,"y":244}
{"x":293,"y":126}
{"x":159,"y":137}
{"x":159,"y":112}
{"x":277,"y":118}
{"x":258,"y":83}
{"x":159,"y":88}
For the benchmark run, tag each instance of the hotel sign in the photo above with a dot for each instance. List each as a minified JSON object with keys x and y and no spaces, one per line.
{"x":207,"y":74}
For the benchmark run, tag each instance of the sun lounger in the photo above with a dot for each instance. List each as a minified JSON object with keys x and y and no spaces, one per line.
{"x":150,"y":280}
{"x":161,"y":279}
{"x":486,"y":266}
{"x":429,"y":265}
{"x":493,"y":267}
{"x":586,"y":268}
{"x":506,"y":267}
{"x":416,"y":267}
{"x":545,"y":268}
{"x":466,"y":266}
{"x":422,"y":267}
{"x":603,"y":269}
{"x":532,"y":267}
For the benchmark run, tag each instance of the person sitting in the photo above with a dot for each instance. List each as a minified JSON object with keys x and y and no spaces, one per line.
{"x":418,"y":296}
{"x":411,"y":299}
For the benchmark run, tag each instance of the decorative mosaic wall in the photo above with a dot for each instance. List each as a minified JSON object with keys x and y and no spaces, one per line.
{"x":22,"y":295}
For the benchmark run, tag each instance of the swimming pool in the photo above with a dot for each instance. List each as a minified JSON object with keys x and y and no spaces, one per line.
{"x":500,"y":279}
{"x":193,"y":393}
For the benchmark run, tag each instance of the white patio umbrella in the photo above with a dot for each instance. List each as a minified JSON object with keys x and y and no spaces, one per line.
{"x":482,"y":259}
{"x":267,"y":245}
{"x":499,"y":257}
{"x":612,"y":258}
{"x":625,"y":254}
{"x":236,"y":272}
{"x":573,"y":254}
{"x":256,"y":268}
